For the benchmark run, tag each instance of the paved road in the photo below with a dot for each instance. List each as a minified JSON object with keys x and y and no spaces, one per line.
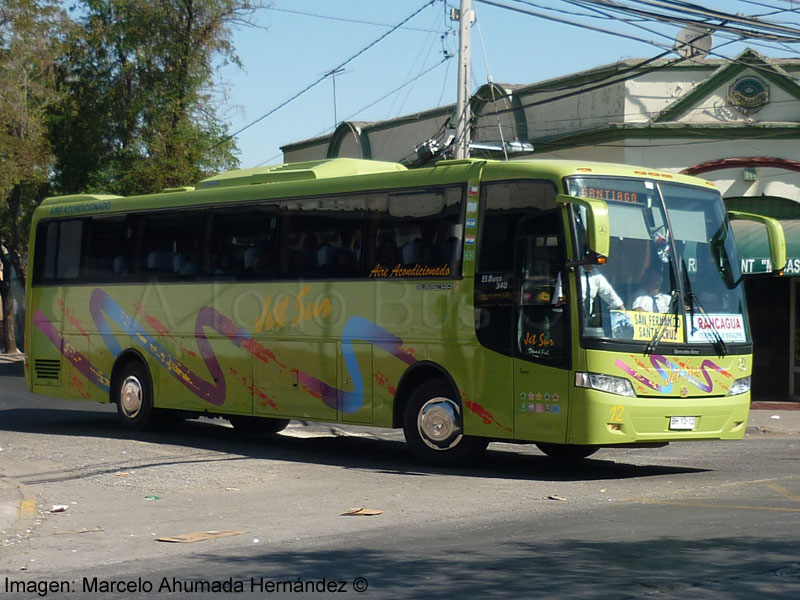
{"x":694,"y":520}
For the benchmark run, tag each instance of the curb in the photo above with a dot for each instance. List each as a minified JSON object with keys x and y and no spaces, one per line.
{"x":22,"y":507}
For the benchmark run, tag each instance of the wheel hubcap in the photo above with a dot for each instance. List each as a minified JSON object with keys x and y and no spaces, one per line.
{"x":438,"y":423}
{"x":130,"y":397}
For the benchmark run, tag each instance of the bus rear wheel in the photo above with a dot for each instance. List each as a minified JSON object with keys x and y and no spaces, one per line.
{"x":257,"y":425}
{"x":567,"y":451}
{"x":433,"y":427}
{"x":133,"y":394}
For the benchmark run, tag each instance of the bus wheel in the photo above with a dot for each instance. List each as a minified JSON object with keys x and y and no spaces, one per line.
{"x":257,"y":425}
{"x":433,"y":427}
{"x":567,"y":451}
{"x":134,"y":397}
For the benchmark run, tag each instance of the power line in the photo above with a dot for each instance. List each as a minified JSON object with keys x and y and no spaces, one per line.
{"x":641,"y":114}
{"x":325,"y":76}
{"x":638,"y":25}
{"x":786,"y":34}
{"x":343,"y":19}
{"x":497,"y":4}
{"x":532,"y":13}
{"x":374,"y":102}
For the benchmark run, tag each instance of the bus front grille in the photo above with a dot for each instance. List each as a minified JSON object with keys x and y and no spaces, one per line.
{"x":47,"y":370}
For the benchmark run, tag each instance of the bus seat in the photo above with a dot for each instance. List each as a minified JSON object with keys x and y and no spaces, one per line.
{"x":120,"y":265}
{"x":412,"y":252}
{"x":251,"y":256}
{"x":159,"y":260}
{"x":181,"y":265}
{"x":326,"y":255}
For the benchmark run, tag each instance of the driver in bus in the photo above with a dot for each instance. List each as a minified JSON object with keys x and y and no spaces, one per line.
{"x":648,"y":298}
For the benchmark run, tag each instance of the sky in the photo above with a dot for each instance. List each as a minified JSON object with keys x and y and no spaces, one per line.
{"x":296,"y":42}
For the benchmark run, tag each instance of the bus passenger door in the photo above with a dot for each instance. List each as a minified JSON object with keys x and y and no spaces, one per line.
{"x":542,"y":342}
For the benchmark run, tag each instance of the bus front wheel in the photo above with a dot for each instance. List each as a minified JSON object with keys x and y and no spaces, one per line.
{"x":567,"y":451}
{"x":433,"y":427}
{"x":134,"y":397}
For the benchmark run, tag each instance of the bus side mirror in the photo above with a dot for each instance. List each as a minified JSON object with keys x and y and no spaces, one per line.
{"x":775,"y":237}
{"x":597,"y":222}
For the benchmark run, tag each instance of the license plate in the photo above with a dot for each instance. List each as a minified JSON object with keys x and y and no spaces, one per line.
{"x":684,"y":423}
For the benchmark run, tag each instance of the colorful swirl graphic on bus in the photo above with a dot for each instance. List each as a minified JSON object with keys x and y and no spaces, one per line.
{"x":105,"y":311}
{"x":672,"y":372}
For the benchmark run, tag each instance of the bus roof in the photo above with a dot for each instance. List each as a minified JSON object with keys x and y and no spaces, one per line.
{"x":556,"y":170}
{"x":317,"y":169}
{"x":347,"y":170}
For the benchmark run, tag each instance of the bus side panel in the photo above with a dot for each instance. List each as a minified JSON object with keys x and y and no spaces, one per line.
{"x":49,"y":368}
{"x":485,"y":381}
{"x":387,"y":372}
{"x":300,"y":382}
{"x":356,"y":377}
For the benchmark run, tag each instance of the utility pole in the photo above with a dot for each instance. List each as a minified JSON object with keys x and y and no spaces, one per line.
{"x":463,"y":116}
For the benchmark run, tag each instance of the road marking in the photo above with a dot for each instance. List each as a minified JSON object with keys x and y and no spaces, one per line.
{"x":711,"y":505}
{"x":27,"y":507}
{"x":770,"y":483}
{"x":784,"y":492}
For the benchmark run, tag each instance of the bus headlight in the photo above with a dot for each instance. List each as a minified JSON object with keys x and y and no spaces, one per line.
{"x":605,"y":383}
{"x":740,"y":386}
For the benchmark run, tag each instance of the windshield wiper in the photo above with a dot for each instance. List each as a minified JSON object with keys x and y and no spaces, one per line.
{"x":673,"y":314}
{"x":693,"y":300}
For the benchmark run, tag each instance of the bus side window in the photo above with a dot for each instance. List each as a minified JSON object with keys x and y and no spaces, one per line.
{"x":417,"y":230}
{"x":170,"y":244}
{"x":321,"y":238}
{"x":58,"y":251}
{"x":240,"y":242}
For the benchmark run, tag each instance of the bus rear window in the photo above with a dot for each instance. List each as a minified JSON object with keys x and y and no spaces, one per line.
{"x":58,"y":254}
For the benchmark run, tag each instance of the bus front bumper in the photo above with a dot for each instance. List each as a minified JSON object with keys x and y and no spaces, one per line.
{"x":599,"y":418}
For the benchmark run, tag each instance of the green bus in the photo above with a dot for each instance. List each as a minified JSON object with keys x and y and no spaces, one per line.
{"x":469,"y":302}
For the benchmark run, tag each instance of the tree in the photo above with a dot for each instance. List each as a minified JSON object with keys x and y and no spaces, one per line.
{"x":30,"y":31}
{"x":140,"y":113}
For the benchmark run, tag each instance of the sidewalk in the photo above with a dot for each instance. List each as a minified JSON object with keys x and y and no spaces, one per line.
{"x":774,"y":417}
{"x":17,"y":509}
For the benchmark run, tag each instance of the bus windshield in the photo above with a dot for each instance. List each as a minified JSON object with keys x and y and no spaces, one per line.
{"x":671,"y":277}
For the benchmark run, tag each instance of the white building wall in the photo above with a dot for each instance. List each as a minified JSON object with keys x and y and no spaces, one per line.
{"x":676,"y":154}
{"x":613,"y":152}
{"x":649,"y":94}
{"x":583,"y":111}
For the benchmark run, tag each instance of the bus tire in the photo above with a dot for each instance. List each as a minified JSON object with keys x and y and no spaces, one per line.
{"x":567,"y":451}
{"x":133,"y":393}
{"x":257,"y":425}
{"x":433,"y":427}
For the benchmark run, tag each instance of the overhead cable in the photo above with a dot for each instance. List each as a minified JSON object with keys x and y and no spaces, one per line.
{"x":327,"y":73}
